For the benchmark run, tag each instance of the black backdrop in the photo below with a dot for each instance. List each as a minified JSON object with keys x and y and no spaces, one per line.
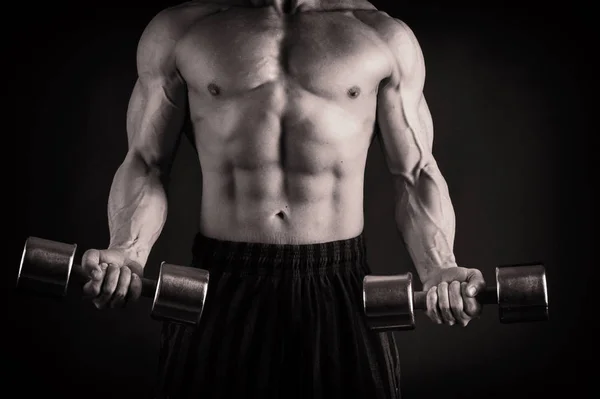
{"x":510,"y":90}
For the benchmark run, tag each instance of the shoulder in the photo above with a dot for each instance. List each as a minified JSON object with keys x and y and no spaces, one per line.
{"x":341,"y":5}
{"x":177,"y":19}
{"x":163,"y":31}
{"x":401,"y":45}
{"x":398,"y":38}
{"x":394,"y":31}
{"x":157,"y":44}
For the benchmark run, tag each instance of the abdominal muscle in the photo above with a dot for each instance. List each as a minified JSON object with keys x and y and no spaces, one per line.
{"x":280,"y":164}
{"x":286,"y":178}
{"x":276,"y":207}
{"x":282,"y":122}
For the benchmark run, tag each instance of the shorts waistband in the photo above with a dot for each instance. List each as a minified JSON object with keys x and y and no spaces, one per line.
{"x":276,"y":259}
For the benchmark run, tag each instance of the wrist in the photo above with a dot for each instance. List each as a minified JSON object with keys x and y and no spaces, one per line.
{"x":132,"y":252}
{"x":428,"y":271}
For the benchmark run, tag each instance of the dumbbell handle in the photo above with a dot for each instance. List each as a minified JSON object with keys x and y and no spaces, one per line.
{"x":488,"y":296}
{"x":148,"y":285}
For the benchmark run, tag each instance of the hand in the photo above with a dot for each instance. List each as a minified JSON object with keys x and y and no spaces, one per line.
{"x":451,"y":295}
{"x":114,"y":278}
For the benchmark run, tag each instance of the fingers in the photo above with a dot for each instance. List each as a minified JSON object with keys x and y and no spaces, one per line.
{"x":433,"y":311}
{"x":116,"y":287}
{"x":471,"y":306}
{"x":109,"y":285}
{"x":120,"y":294}
{"x":444,"y":304}
{"x":475,"y":281}
{"x":113,"y":279}
{"x":90,"y":260}
{"x":456,"y":293}
{"x":457,"y":304}
{"x":455,"y":307}
{"x":90,"y":263}
{"x":93,"y":287}
{"x":135,"y":287}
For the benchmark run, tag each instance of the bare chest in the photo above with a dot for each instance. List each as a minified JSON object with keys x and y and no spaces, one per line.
{"x":329,"y":54}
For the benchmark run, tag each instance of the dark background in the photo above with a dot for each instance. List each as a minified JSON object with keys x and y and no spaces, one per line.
{"x":511,"y":92}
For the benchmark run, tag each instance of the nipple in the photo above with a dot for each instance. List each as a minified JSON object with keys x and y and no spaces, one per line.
{"x":214,"y":89}
{"x":354,"y":92}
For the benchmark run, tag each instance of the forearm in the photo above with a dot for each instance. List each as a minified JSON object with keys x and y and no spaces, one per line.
{"x":137,"y":208}
{"x":425,"y":218}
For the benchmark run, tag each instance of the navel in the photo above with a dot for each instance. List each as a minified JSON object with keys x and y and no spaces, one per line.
{"x":354,"y":92}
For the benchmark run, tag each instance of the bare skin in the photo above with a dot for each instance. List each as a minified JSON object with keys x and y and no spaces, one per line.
{"x":283,"y":97}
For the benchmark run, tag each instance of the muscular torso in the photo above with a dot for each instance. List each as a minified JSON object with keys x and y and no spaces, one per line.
{"x":283,"y":110}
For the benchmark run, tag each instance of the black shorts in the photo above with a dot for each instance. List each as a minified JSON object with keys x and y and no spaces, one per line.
{"x":280,"y":322}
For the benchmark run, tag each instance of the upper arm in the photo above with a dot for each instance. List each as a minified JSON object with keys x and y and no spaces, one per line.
{"x":406,"y":128}
{"x":157,"y":107}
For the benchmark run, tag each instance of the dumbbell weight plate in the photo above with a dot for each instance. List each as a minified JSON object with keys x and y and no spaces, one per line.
{"x":522,"y":293}
{"x":45,"y":267}
{"x":180,"y":294}
{"x":388,"y":302}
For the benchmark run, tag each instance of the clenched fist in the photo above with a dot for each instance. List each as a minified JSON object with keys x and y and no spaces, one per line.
{"x":451,"y":295}
{"x":114,"y":278}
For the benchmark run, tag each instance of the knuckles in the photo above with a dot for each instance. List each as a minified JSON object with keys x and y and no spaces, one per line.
{"x":119,"y":295}
{"x":451,"y":307}
{"x":92,"y":290}
{"x":89,"y":258}
{"x":114,"y":288}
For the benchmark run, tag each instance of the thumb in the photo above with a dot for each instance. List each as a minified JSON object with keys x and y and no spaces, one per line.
{"x":475,"y":282}
{"x":136,"y":267}
{"x":90,"y":263}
